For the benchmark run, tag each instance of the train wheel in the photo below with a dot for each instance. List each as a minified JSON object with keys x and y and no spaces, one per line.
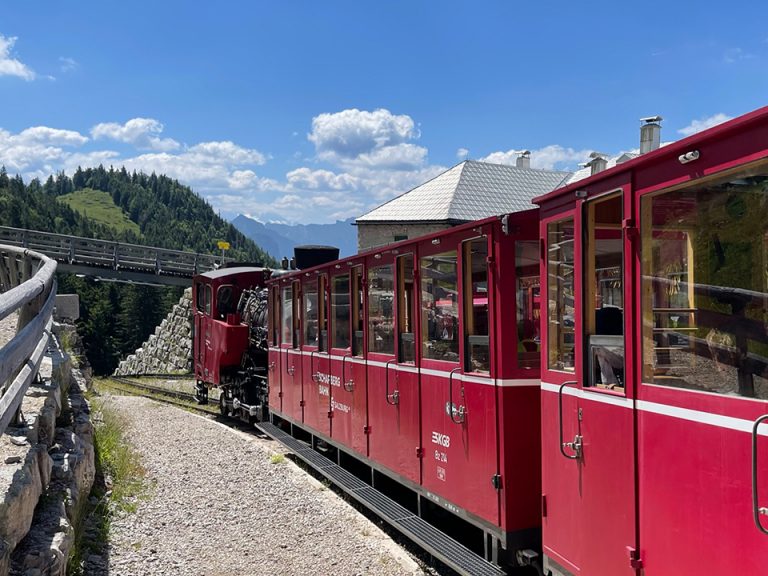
{"x":223,"y":404}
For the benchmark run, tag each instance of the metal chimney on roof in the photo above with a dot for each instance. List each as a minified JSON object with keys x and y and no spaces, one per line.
{"x":598,"y":163}
{"x":523,"y":159}
{"x":650,"y":133}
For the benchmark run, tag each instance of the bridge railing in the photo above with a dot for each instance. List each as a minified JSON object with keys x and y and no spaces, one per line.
{"x":27,"y":286}
{"x":110,"y":254}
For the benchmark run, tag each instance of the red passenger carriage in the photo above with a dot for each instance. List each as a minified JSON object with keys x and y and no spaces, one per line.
{"x":655,"y":367}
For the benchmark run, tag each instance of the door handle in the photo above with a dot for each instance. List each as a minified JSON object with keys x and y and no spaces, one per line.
{"x":348,"y":385}
{"x":757,"y":511}
{"x":577,"y":444}
{"x":394,"y":398}
{"x":457,"y":414}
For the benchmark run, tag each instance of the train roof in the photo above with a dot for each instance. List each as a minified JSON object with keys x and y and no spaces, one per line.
{"x":222,"y":272}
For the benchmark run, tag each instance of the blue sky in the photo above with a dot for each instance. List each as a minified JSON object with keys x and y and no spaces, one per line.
{"x":315,"y":111}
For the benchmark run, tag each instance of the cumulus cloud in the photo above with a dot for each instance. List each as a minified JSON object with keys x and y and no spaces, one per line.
{"x":67,"y":64}
{"x":54,"y":136}
{"x":10,"y":66}
{"x":140,"y":132}
{"x":307,"y":179}
{"x":704,"y":123}
{"x":462,"y":153}
{"x":552,"y":157}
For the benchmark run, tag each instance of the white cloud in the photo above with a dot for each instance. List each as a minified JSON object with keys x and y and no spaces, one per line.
{"x":68,"y":64}
{"x":307,"y":179}
{"x":552,"y":157}
{"x":462,"y":153}
{"x":226,"y":151}
{"x":704,"y":123}
{"x":139,"y":132}
{"x":732,"y":55}
{"x":55,"y":136}
{"x":10,"y":66}
{"x":359,"y":135}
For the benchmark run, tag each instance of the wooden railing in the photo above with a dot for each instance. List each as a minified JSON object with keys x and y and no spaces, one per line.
{"x":27,"y":286}
{"x":106,"y":254}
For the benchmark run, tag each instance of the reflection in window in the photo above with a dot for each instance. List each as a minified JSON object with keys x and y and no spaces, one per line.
{"x":477,"y":357}
{"x":381,"y":320}
{"x":340,"y":311}
{"x":208,"y":299}
{"x":440,"y":306}
{"x":357,"y":311}
{"x":311,"y":314}
{"x":225,"y":301}
{"x":405,"y":303}
{"x":322,"y":313}
{"x":560,"y":300}
{"x":705,"y":285}
{"x":604,"y":300}
{"x":528,"y":304}
{"x":286,"y":320}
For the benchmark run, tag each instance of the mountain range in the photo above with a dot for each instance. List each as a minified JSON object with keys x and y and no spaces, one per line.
{"x":278,"y":240}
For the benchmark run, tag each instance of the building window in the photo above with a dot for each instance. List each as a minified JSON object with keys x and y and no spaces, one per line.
{"x":399,"y":237}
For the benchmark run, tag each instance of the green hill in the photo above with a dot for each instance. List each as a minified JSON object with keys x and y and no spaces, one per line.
{"x":98,"y":206}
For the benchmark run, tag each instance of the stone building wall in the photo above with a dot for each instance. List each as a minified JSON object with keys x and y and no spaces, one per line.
{"x":169,"y":349}
{"x":371,"y":235}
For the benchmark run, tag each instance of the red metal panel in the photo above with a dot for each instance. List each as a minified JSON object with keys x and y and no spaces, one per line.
{"x":291,"y":383}
{"x":394,"y":427}
{"x":274,"y":379}
{"x":349,"y":397}
{"x":316,"y":386}
{"x":460,"y":457}
{"x":698,"y":488}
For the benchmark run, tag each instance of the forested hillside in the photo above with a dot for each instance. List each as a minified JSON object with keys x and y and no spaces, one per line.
{"x":128,"y":207}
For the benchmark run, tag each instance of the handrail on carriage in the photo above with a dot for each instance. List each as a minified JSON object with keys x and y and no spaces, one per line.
{"x":27,"y":286}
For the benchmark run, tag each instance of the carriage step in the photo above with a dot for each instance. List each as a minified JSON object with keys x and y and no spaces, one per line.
{"x":442,"y":546}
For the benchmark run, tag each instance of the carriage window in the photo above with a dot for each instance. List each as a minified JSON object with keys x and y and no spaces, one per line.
{"x":311,"y":314}
{"x":477,"y":357}
{"x":286,"y":320}
{"x":381,"y":320}
{"x":208,"y":299}
{"x":405,"y":303}
{"x":560,"y":299}
{"x":440,"y":306}
{"x":272,"y":316}
{"x":604,"y":294}
{"x":225,"y":301}
{"x":528,"y":304}
{"x":705,"y":286}
{"x":357,"y":311}
{"x":200,"y":302}
{"x":323,"y":313}
{"x":340,"y":311}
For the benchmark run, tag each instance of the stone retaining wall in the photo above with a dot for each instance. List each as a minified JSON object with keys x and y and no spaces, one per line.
{"x":169,"y":349}
{"x":46,"y":467}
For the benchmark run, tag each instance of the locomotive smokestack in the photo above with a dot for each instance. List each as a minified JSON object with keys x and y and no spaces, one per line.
{"x":309,"y":256}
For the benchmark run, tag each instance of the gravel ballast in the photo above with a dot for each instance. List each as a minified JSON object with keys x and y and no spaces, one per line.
{"x":221,"y":503}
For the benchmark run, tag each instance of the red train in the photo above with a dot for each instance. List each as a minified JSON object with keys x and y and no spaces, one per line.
{"x":581,"y":388}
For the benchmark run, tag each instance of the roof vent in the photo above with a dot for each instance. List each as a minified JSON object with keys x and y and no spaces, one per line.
{"x":598,"y":163}
{"x":650,"y":133}
{"x":523,"y":159}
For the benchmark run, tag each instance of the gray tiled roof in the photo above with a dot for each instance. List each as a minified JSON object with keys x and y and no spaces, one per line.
{"x":469,"y":191}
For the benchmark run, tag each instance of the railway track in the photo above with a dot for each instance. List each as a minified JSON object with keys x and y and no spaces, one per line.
{"x":130,"y":385}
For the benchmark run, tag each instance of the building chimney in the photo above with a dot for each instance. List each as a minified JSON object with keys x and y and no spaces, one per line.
{"x":598,"y":163}
{"x":523,"y":159}
{"x":650,"y":133}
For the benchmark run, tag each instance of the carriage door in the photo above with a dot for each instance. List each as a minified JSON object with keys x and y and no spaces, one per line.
{"x":606,"y":457}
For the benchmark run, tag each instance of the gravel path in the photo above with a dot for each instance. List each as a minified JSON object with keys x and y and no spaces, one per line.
{"x":221,"y":505}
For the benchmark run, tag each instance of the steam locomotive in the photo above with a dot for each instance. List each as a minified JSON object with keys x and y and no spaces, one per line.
{"x":575,"y":389}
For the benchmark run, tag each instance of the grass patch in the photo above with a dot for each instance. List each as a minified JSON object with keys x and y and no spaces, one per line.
{"x":119,"y":485}
{"x":277,"y":458}
{"x":98,"y":206}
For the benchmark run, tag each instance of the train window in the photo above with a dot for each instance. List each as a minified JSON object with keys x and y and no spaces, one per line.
{"x":528,"y":304}
{"x":560,"y":297}
{"x":705,"y":286}
{"x":310,"y":314}
{"x":405,"y":303}
{"x":208,"y":299}
{"x":381,"y":321}
{"x":340,"y":311}
{"x":477,"y":351}
{"x":225,"y":301}
{"x":604,"y":293}
{"x":272,"y":315}
{"x":286,"y":320}
{"x":323,"y":313}
{"x":357,"y":311}
{"x":440,"y":306}
{"x":200,"y":297}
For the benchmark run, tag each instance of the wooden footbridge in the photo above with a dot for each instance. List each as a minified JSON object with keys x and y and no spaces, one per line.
{"x":112,"y":261}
